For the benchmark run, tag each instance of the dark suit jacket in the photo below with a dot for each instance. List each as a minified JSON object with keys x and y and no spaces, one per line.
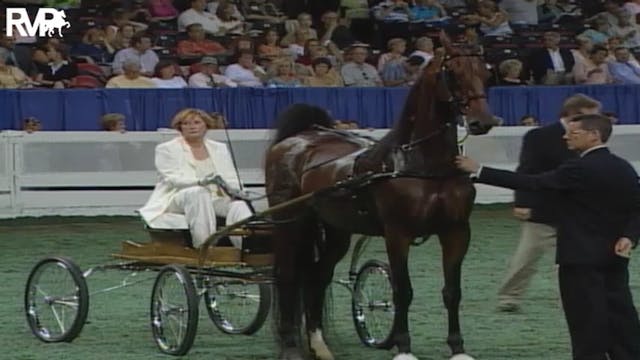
{"x":543,"y":149}
{"x":600,"y":202}
{"x":541,"y":61}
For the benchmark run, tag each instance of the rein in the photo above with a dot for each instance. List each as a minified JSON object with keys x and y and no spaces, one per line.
{"x":412,"y":145}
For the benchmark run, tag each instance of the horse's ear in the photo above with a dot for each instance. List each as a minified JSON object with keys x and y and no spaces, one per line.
{"x":446,"y":42}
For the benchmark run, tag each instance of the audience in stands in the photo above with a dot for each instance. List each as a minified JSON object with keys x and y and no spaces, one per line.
{"x":208,"y":76}
{"x":427,"y":10}
{"x":521,"y":11}
{"x":245,"y":72}
{"x":94,"y":47}
{"x":162,"y":9}
{"x":60,"y":70}
{"x":197,"y":45}
{"x":510,"y":73}
{"x":113,"y":122}
{"x":356,"y":72}
{"x":108,"y":33}
{"x":623,"y":70}
{"x":11,"y":77}
{"x":423,"y":48}
{"x":335,"y":30}
{"x":119,"y":19}
{"x":583,"y":52}
{"x":600,"y":32}
{"x":558,"y":11}
{"x":595,"y":69}
{"x":404,"y":73}
{"x":633,"y":7}
{"x":140,"y":50}
{"x":491,"y":20}
{"x":282,"y":74}
{"x":627,"y":30}
{"x":323,"y":74}
{"x":392,"y":11}
{"x":197,"y":14}
{"x":552,"y":65}
{"x":300,"y":32}
{"x":131,"y":78}
{"x":230,"y":24}
{"x":164,"y":76}
{"x":397,"y":47}
{"x":270,"y":45}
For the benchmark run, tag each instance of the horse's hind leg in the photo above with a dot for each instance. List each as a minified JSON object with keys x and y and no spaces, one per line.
{"x":454,"y":242}
{"x":288,"y":303}
{"x":330,"y":251}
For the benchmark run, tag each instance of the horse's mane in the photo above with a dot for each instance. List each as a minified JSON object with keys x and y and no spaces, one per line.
{"x":298,"y":118}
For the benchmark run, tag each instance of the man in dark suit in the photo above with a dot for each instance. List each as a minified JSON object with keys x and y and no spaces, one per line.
{"x":599,"y":224}
{"x":552,"y":65}
{"x":543,"y":149}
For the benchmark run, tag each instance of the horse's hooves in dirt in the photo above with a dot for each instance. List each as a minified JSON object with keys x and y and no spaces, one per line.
{"x":405,"y":356}
{"x":461,"y":357}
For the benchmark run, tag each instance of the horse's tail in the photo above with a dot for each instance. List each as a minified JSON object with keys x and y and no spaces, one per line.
{"x":298,"y":118}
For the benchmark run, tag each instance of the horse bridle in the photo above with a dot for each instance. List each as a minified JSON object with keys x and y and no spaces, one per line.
{"x":458,"y":103}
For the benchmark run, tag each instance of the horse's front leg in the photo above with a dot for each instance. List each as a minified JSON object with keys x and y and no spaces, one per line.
{"x":454,"y":242}
{"x":398,"y":245}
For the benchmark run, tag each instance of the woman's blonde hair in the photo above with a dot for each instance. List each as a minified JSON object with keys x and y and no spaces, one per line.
{"x":274,"y":69}
{"x":184,"y":114}
{"x":509,"y":65}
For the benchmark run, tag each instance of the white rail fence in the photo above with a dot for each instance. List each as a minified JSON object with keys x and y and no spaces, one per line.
{"x":94,"y":173}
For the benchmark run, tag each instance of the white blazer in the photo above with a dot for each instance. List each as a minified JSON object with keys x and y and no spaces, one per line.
{"x":176,"y":167}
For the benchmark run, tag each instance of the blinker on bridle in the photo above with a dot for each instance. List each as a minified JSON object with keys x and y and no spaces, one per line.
{"x":450,"y":85}
{"x":459,"y":103}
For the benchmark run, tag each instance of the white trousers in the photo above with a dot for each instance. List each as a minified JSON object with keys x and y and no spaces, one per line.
{"x":200,"y":210}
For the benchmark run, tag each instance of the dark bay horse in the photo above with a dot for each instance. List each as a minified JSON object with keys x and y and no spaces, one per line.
{"x":423,"y":195}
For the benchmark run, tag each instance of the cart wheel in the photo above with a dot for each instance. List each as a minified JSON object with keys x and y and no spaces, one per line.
{"x":237,"y":306}
{"x":56,"y":300}
{"x":174,"y":310}
{"x":372,"y":305}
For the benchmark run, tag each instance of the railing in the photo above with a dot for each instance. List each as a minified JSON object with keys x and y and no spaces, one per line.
{"x":96,"y":173}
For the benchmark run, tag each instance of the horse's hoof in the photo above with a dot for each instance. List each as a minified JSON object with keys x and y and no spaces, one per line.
{"x":461,"y":357}
{"x":405,"y":356}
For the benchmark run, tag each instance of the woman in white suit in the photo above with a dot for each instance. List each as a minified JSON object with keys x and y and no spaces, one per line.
{"x":184,"y":197}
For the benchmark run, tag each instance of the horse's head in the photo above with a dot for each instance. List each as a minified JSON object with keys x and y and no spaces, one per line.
{"x":462,"y":78}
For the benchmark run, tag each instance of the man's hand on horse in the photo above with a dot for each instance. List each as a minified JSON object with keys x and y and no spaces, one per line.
{"x":467,"y":164}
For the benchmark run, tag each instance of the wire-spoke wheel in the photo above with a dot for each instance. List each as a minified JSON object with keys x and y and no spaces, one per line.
{"x":372,"y":305}
{"x":56,"y":300}
{"x":174,"y":310}
{"x":237,"y":306}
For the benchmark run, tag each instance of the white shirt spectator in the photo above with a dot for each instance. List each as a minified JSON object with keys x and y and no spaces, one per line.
{"x":202,"y":80}
{"x":176,"y":82}
{"x":212,"y":7}
{"x":243,"y":76}
{"x":210,"y":23}
{"x":147,"y":60}
{"x":632,"y":8}
{"x":556,"y":59}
